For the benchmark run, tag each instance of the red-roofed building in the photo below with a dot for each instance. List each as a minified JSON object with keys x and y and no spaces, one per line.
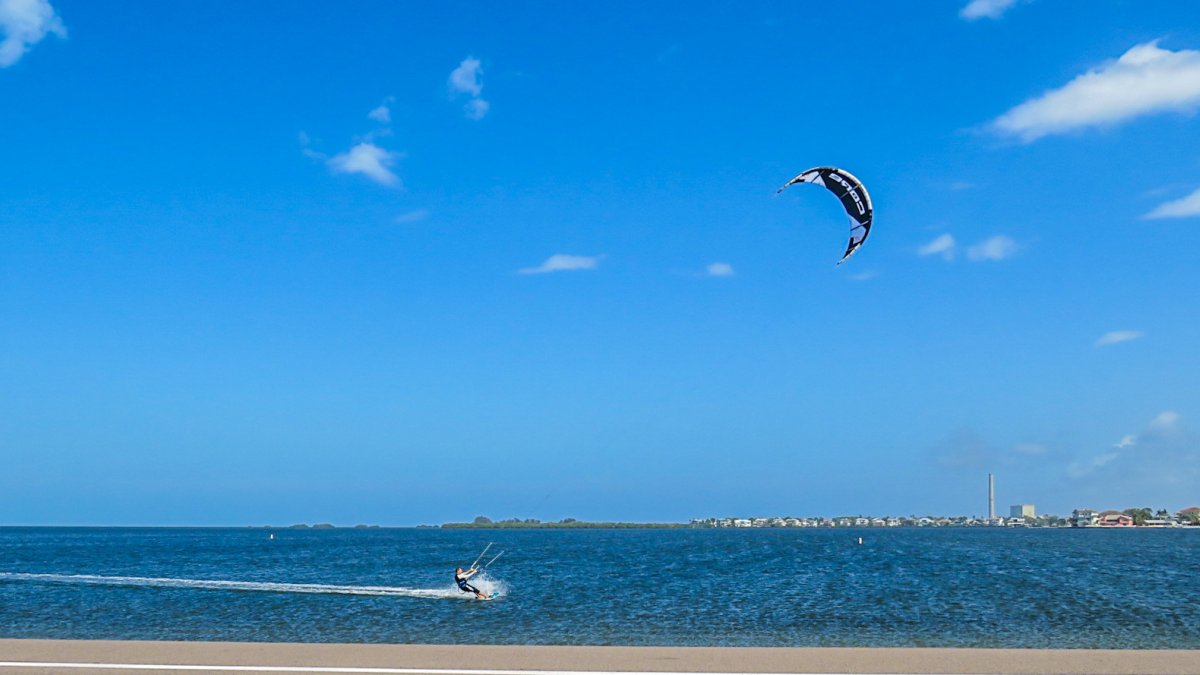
{"x":1114,"y":519}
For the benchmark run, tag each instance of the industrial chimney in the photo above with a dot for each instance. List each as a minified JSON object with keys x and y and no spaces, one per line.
{"x":991,"y":497}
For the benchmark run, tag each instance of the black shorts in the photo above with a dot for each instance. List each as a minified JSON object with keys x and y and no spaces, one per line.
{"x":467,"y":588}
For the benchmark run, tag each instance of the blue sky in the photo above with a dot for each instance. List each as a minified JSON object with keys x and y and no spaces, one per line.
{"x":399,"y":264}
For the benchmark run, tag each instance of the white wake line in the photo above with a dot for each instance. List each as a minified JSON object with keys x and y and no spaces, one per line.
{"x":215,"y":584}
{"x":380,"y":671}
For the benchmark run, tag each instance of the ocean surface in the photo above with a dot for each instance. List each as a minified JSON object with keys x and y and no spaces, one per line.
{"x":794,"y":587}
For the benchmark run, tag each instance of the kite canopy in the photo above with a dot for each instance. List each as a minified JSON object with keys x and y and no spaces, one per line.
{"x":854,"y":198}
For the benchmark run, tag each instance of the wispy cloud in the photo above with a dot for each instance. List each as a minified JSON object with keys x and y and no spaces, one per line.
{"x":414,"y":216}
{"x":1164,"y":426}
{"x":1165,"y":422}
{"x":986,"y":9}
{"x":382,"y":113}
{"x":864,"y":276}
{"x":306,"y":148}
{"x":1144,"y":80}
{"x":1084,"y":467}
{"x":1183,"y":207}
{"x":24,"y":23}
{"x":998,"y":247}
{"x":945,"y":246}
{"x":476,"y":108}
{"x":1030,"y":449}
{"x":466,"y":79}
{"x":369,"y":160}
{"x":561,"y":262}
{"x":1118,"y":336}
{"x":719,"y":269}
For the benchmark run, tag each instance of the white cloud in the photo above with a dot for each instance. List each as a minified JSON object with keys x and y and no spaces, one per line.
{"x":985,"y":9}
{"x":998,"y":247}
{"x":382,"y":114}
{"x":1144,"y":80}
{"x":466,"y":79}
{"x":1163,"y":424}
{"x":414,"y":216}
{"x":368,"y":159}
{"x":307,"y":151}
{"x":1118,"y":336}
{"x":476,"y":108}
{"x":23,"y":24}
{"x":1081,"y":469}
{"x":943,"y":246}
{"x":561,"y":262}
{"x":864,"y":276}
{"x":719,"y":269}
{"x":1165,"y":421}
{"x":1180,"y":208}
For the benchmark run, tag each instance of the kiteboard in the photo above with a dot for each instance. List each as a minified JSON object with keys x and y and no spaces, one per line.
{"x":493,"y":596}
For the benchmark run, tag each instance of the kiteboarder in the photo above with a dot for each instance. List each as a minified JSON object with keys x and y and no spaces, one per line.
{"x":460,"y":578}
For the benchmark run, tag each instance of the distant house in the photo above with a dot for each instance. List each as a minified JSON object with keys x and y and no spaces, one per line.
{"x":741,"y":522}
{"x":1084,"y":518}
{"x":1114,"y":519}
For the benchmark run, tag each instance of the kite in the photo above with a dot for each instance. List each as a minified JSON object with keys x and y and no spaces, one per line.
{"x":854,"y":198}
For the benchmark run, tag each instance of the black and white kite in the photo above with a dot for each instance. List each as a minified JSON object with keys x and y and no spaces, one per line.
{"x":854,"y":198}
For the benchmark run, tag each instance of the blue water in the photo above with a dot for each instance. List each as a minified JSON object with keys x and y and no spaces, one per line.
{"x":902,"y":587}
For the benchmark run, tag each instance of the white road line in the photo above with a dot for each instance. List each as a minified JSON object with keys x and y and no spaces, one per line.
{"x":349,"y":669}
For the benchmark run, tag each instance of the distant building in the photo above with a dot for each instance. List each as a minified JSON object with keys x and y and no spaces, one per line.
{"x":1022,"y":511}
{"x":1114,"y":519}
{"x":1084,"y":518}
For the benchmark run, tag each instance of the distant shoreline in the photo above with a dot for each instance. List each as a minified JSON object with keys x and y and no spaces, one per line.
{"x":574,"y":526}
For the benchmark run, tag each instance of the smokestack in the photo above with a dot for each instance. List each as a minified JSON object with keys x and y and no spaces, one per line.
{"x":991,"y":497}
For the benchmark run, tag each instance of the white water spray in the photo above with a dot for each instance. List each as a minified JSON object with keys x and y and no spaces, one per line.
{"x":450,"y":592}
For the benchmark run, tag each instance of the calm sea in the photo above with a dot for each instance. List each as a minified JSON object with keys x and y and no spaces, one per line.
{"x":910,"y":587}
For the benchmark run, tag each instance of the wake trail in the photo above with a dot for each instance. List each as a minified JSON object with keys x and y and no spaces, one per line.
{"x":450,"y":593}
